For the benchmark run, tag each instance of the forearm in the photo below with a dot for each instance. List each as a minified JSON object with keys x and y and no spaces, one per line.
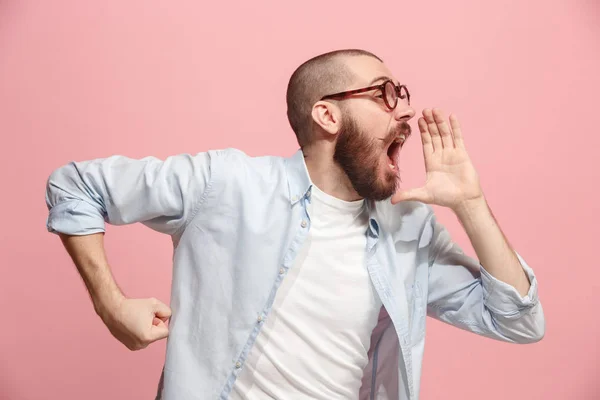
{"x":491,"y":246}
{"x":134,"y":322}
{"x":88,"y":254}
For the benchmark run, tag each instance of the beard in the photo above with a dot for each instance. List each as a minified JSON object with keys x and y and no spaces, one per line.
{"x":359,"y":156}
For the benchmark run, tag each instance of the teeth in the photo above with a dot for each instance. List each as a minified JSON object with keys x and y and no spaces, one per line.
{"x":392,"y":166}
{"x":400,"y":138}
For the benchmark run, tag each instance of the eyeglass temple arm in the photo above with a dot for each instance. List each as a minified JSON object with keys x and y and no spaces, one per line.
{"x":351,"y":92}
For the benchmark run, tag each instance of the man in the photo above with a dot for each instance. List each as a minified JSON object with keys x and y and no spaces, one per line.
{"x":307,"y":277}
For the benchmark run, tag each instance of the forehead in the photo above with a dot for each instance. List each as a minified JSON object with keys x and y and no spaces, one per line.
{"x":366,"y":69}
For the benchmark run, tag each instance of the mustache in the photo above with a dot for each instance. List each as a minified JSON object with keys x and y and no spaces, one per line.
{"x":402,"y":128}
{"x":405,"y":128}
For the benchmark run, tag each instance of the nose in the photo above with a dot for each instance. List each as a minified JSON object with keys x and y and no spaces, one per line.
{"x":403,"y":111}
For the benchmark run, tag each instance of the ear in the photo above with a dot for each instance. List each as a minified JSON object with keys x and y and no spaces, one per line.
{"x":328,"y":116}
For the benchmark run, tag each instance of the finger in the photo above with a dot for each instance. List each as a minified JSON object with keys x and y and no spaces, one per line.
{"x":159,"y":331}
{"x":443,"y":128}
{"x":457,"y":132}
{"x":425,"y":138}
{"x":161,"y":310}
{"x":436,"y":139}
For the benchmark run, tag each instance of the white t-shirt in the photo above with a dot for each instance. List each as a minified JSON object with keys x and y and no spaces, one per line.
{"x":314,"y":342}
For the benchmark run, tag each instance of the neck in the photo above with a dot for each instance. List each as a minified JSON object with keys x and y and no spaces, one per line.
{"x":327,"y":175}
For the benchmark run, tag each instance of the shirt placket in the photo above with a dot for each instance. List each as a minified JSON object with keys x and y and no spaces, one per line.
{"x":384,"y":291}
{"x":288,"y":261}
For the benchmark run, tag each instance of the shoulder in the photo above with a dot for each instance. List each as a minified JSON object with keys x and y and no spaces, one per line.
{"x":239,"y":157}
{"x":232,"y":162}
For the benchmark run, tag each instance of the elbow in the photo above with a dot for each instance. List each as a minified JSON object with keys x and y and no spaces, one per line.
{"x":51,"y":190}
{"x":529,"y":328}
{"x":59,"y":186}
{"x":537,"y":322}
{"x":538,"y":330}
{"x":533,"y":336}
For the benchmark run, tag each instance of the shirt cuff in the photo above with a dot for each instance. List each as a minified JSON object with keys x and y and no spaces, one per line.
{"x":503,"y":299}
{"x":75,"y":217}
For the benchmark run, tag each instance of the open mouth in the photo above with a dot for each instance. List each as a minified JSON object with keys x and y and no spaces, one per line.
{"x":394,"y":150}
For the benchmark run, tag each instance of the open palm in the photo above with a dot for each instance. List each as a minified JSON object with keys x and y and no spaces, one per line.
{"x":451,"y":177}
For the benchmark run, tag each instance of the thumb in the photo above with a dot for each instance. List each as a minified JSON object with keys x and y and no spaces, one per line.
{"x":159,"y":330}
{"x":419,"y":194}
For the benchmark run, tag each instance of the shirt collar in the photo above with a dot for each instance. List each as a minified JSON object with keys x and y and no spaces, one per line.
{"x":299,"y":183}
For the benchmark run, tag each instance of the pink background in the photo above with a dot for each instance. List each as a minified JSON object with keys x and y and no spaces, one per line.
{"x":80,"y":80}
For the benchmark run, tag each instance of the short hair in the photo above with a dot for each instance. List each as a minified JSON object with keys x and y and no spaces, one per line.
{"x":321,"y":75}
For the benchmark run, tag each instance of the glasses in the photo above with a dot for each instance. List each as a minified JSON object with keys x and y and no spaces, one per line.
{"x":389,"y":92}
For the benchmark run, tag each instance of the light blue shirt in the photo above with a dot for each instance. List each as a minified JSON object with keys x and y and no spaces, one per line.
{"x":237,"y":223}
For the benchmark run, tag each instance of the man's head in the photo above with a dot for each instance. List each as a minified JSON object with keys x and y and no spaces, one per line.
{"x":362,"y":132}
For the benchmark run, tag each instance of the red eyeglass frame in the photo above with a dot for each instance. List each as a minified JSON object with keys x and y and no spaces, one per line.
{"x":381,"y":87}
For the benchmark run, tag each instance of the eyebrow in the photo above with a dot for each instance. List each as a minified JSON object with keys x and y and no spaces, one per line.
{"x":381,"y":78}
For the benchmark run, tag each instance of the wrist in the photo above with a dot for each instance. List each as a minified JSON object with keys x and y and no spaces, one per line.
{"x":107,"y":302}
{"x":467,"y":208}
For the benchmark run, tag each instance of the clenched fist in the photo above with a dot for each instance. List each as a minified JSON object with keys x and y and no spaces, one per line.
{"x":137,"y":322}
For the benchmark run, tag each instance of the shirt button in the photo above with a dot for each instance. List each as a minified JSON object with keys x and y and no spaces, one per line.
{"x":259,"y":319}
{"x":303,"y":224}
{"x":238,"y":365}
{"x":281,"y":271}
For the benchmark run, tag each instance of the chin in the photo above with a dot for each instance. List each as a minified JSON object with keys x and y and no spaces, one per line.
{"x":390,"y":182}
{"x":385,"y":186}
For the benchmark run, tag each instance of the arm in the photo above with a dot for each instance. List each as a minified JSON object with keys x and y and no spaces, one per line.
{"x":496,"y":299}
{"x":87,"y":252}
{"x":81,"y":197}
{"x":491,"y":246}
{"x":163,"y":195}
{"x":134,"y":322}
{"x":461,"y":292}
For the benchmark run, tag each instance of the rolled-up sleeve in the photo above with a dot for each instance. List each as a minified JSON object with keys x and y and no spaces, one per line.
{"x":162,"y":194}
{"x":462,"y":293}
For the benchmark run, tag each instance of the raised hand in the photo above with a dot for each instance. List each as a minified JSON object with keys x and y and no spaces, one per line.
{"x":452,"y":180}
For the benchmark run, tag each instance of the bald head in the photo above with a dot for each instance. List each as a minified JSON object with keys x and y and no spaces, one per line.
{"x":321,"y":75}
